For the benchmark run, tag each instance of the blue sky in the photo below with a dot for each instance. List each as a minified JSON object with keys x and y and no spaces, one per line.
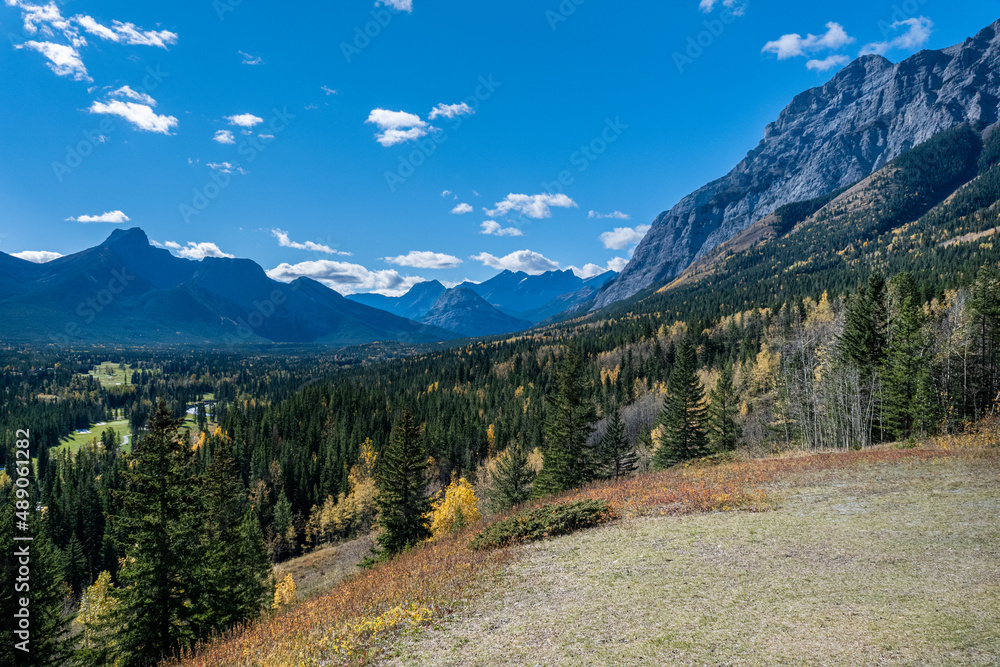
{"x":376,"y":145}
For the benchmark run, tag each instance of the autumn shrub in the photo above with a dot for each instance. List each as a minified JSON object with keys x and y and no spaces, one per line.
{"x":453,"y":508}
{"x":541,"y":522}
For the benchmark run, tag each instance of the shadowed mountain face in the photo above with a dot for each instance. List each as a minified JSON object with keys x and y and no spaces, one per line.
{"x":465,"y":312}
{"x":517,"y":294}
{"x":127,"y":291}
{"x":827,"y":138}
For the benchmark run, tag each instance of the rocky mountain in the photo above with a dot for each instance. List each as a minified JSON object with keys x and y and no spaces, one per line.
{"x":829,"y":137}
{"x":465,"y":312}
{"x":127,"y":291}
{"x":532,"y":298}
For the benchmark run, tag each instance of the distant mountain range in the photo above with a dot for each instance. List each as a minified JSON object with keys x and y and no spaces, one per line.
{"x":829,"y":137}
{"x":518,"y":295}
{"x":127,"y":291}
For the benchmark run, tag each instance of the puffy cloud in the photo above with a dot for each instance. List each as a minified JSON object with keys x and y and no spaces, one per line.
{"x":462,"y":209}
{"x":126,"y":91}
{"x":493,"y":228}
{"x":828,"y":63}
{"x":620,"y":237}
{"x":398,"y":5}
{"x":347,"y":278}
{"x":422,"y":259}
{"x":738,"y":7}
{"x":247,"y":120}
{"x":285,"y":242}
{"x":197,"y":251}
{"x":793,"y":45}
{"x":227,"y":168}
{"x":617,"y":264}
{"x":532,"y":206}
{"x":616,"y":215}
{"x":396,"y":127}
{"x":64,"y":60}
{"x":114,"y":217}
{"x":251,"y":60}
{"x":918,"y":31}
{"x":127,"y":33}
{"x":37,"y":256}
{"x":451,"y":110}
{"x":141,"y":116}
{"x":522,"y":260}
{"x":224,"y":137}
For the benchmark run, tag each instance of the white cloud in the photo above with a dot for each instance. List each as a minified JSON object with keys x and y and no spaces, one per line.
{"x":286,"y":242}
{"x":422,"y":259}
{"x":127,"y":33}
{"x":141,"y":116}
{"x":64,"y":60}
{"x":226,"y":168}
{"x":446,"y":193}
{"x":115,"y":217}
{"x":37,"y":256}
{"x":918,"y":31}
{"x":126,"y":91}
{"x":828,"y":63}
{"x":197,"y":251}
{"x":462,"y":209}
{"x":793,"y":45}
{"x":493,"y":228}
{"x":620,"y":237}
{"x":399,"y":5}
{"x":617,"y":264}
{"x":451,"y":110}
{"x":224,"y":137}
{"x":522,"y":260}
{"x":738,"y":7}
{"x":347,"y":278}
{"x":328,"y":90}
{"x":396,"y":127}
{"x":616,"y":215}
{"x":247,"y":120}
{"x":532,"y":206}
{"x":590,"y":269}
{"x":251,"y":60}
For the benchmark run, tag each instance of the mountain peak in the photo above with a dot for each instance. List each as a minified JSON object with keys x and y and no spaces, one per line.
{"x":133,"y":235}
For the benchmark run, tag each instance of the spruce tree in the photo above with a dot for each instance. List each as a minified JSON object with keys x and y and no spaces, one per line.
{"x":160,"y":524}
{"x":906,"y":361}
{"x":683,"y":415}
{"x":510,"y":481}
{"x":569,"y":424}
{"x":864,"y":339}
{"x":402,"y":490}
{"x":617,"y":456}
{"x":238,"y":569}
{"x":724,"y":432}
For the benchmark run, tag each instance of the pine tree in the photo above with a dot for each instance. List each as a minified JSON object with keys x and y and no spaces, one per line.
{"x":402,"y":497}
{"x":864,"y":339}
{"x":985,"y":302}
{"x":510,"y":480}
{"x":724,"y":431}
{"x":161,"y":522}
{"x":683,"y":415}
{"x":236,"y":584}
{"x":906,"y":361}
{"x":617,"y":456}
{"x":569,"y":424}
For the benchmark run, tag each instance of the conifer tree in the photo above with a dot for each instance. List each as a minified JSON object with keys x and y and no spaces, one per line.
{"x":510,"y":480}
{"x":617,"y":456}
{"x":683,"y":415}
{"x":402,"y":489}
{"x":864,"y":339}
{"x":160,"y":523}
{"x":569,"y":424}
{"x":906,"y":363}
{"x":724,"y":431}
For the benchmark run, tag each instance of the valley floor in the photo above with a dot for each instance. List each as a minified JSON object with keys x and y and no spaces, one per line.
{"x":876,"y":563}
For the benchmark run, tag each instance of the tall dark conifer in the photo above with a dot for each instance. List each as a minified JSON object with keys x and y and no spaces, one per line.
{"x":618,"y":458}
{"x":570,"y":421}
{"x":906,"y":360}
{"x":724,"y":432}
{"x":402,"y":488}
{"x":683,"y":415}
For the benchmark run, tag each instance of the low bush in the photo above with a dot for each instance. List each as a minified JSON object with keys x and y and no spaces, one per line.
{"x":541,"y":522}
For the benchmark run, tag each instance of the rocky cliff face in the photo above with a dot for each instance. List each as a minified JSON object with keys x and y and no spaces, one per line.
{"x":828,"y":137}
